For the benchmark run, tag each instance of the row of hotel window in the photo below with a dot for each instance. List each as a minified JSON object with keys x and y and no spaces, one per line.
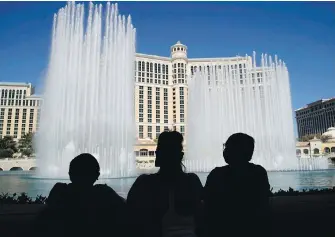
{"x":20,"y":102}
{"x":157,"y":132}
{"x":320,"y":109}
{"x":316,"y":151}
{"x":159,"y":77}
{"x":17,"y":120}
{"x":18,"y":94}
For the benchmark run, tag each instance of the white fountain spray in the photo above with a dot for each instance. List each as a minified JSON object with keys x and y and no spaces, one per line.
{"x":223,"y":101}
{"x":88,"y":98}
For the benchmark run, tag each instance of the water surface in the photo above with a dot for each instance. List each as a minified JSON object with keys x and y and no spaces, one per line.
{"x":22,"y":181}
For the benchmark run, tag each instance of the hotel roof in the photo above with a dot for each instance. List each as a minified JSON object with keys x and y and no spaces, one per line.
{"x":14,"y":84}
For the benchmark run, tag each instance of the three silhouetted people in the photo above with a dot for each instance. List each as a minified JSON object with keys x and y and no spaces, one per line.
{"x":236,"y":195}
{"x":167,"y":203}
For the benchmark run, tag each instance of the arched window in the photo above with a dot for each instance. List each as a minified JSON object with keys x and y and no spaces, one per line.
{"x":306,"y":151}
{"x":332,"y":150}
{"x":327,"y":150}
{"x":298,"y":152}
{"x":16,"y":169}
{"x":143,"y":152}
{"x":316,"y":151}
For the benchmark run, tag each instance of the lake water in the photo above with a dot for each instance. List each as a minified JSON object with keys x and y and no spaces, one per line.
{"x":21,"y":181}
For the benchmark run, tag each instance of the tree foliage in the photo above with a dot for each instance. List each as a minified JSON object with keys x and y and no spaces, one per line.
{"x":325,"y":138}
{"x":307,"y":138}
{"x":7,"y":147}
{"x":26,"y":144}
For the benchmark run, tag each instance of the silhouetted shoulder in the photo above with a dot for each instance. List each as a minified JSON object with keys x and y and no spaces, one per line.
{"x":140,"y":184}
{"x":259,"y":168}
{"x":193,"y":178}
{"x":262,"y":178}
{"x":217,"y":172}
{"x":144,"y":179}
{"x":57,"y":194}
{"x":107,"y":194}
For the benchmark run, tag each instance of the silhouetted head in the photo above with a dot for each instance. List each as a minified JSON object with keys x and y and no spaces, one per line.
{"x":169,"y":151}
{"x":84,"y":170}
{"x":238,"y":149}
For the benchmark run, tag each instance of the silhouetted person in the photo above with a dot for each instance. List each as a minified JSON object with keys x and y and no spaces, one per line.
{"x":82,"y":208}
{"x":167,"y":203}
{"x":236,"y":195}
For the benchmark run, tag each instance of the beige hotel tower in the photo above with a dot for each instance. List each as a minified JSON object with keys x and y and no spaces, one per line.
{"x":160,"y":97}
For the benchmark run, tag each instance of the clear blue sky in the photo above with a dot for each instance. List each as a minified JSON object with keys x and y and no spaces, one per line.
{"x":301,"y":33}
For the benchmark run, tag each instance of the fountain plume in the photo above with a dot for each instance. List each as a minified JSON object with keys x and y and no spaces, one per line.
{"x":88,"y":95}
{"x":223,"y":101}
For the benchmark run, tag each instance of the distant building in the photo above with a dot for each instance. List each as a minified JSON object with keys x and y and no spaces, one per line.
{"x":315,"y":147}
{"x":316,"y":117}
{"x":19,"y":109}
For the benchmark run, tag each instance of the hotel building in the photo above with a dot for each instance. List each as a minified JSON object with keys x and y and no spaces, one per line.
{"x":19,"y":109}
{"x":160,"y":96}
{"x":316,"y":117}
{"x":161,"y":88}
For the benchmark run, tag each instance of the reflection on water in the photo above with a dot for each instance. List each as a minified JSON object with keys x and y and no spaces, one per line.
{"x":20,"y":181}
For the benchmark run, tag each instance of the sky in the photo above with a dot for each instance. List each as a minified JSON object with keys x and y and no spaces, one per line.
{"x":300,"y":33}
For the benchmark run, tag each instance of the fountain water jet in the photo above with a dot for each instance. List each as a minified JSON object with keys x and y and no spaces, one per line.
{"x":240,"y":97}
{"x":88,"y":98}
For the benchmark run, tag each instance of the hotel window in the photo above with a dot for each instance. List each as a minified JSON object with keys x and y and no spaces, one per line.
{"x":24,"y":114}
{"x":149,"y":103}
{"x":182,"y":130}
{"x":31,"y":116}
{"x":150,"y":132}
{"x":143,"y":66}
{"x":2,"y":113}
{"x":17,"y":113}
{"x":140,"y":131}
{"x":140,"y":115}
{"x":158,"y":131}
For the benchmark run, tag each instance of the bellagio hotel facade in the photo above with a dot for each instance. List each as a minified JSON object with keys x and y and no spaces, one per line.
{"x":160,"y":96}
